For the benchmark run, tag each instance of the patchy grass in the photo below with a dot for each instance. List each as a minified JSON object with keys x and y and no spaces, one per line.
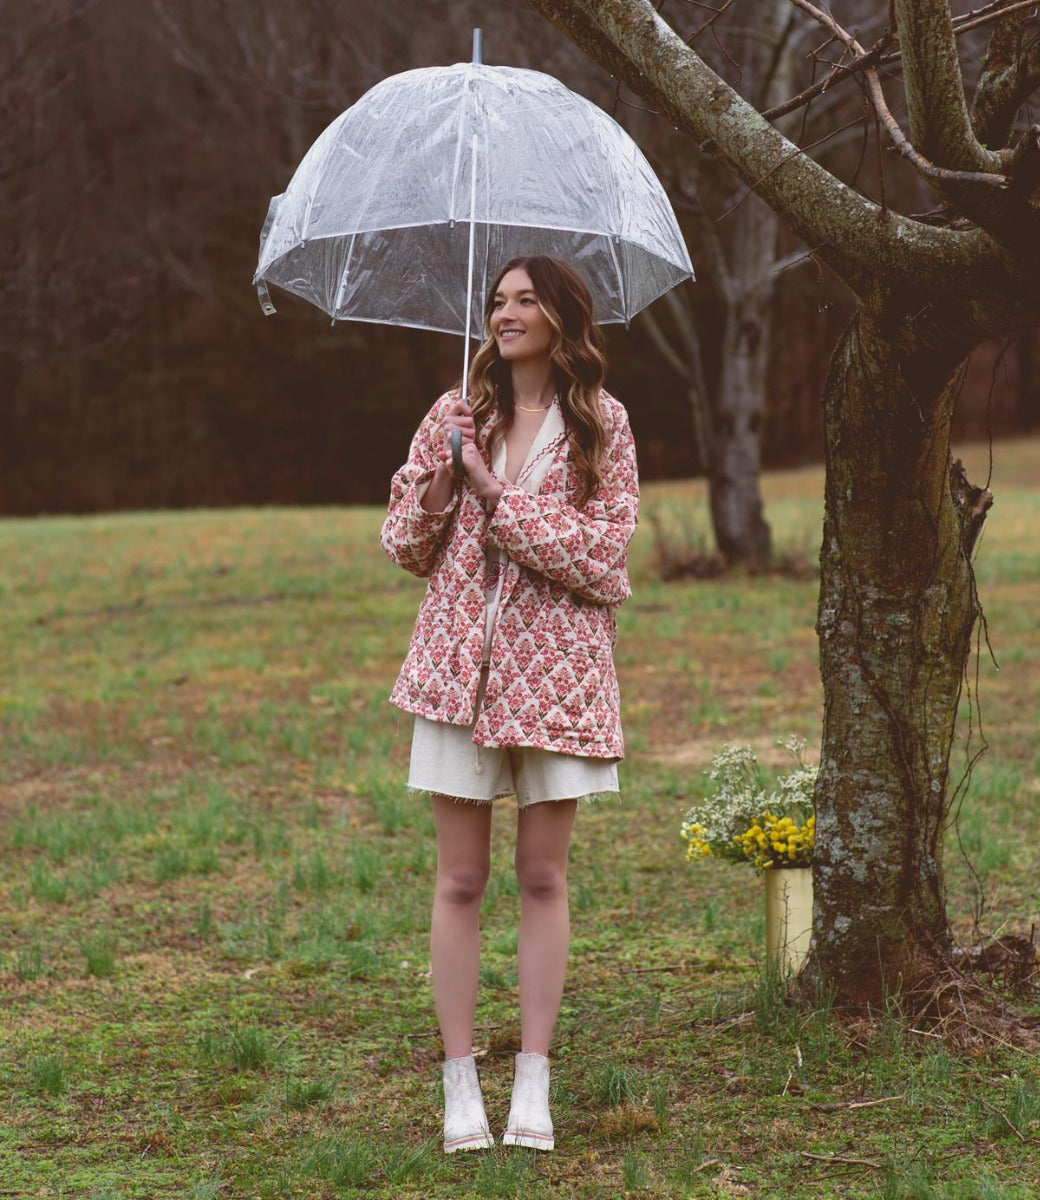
{"x":214,"y":889}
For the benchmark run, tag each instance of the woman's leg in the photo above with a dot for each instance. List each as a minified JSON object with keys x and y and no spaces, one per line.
{"x":542,"y":844}
{"x":463,"y":863}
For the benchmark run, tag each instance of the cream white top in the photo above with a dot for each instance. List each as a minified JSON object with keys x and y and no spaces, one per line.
{"x":530,"y":477}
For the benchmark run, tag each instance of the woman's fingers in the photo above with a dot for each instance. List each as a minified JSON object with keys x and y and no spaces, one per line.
{"x":474,"y":464}
{"x":463,"y":424}
{"x":460,"y":417}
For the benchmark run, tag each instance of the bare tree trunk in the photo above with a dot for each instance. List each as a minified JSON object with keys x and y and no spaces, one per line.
{"x":896,"y":611}
{"x":741,"y":531}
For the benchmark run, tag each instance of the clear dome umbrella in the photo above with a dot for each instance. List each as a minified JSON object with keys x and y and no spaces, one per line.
{"x":436,"y":177}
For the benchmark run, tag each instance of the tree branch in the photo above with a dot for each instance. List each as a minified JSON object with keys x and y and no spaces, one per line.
{"x":847,"y":231}
{"x":1009,"y":74}
{"x":938,"y":111}
{"x":882,"y":53}
{"x":992,"y":12}
{"x":840,"y":71}
{"x":936,"y":174}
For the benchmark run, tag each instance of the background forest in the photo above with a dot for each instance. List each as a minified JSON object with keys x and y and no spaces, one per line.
{"x":139,"y":145}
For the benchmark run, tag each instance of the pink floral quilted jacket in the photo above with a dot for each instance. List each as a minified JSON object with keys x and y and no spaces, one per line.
{"x":551,"y":679}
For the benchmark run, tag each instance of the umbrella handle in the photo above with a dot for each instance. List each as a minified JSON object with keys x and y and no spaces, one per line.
{"x":456,"y":434}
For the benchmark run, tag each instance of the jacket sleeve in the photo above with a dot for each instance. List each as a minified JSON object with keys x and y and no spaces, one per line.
{"x":586,"y":549}
{"x":411,"y":536}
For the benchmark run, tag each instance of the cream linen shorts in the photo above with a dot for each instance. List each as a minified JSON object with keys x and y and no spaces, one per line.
{"x":447,"y":762}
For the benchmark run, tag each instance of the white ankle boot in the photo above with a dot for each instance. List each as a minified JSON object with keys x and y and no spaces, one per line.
{"x":529,"y":1120}
{"x":465,"y":1125}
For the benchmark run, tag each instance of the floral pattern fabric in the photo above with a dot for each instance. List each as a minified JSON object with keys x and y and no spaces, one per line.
{"x":551,"y":680}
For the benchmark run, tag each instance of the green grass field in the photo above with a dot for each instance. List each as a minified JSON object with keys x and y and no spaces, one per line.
{"x":214,"y":887}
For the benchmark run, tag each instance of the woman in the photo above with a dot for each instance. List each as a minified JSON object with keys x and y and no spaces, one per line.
{"x":510,"y":670}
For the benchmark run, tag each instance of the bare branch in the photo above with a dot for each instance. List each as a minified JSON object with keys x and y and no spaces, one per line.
{"x":966,"y":22}
{"x":884,"y":52}
{"x":906,"y":147}
{"x":840,"y":71}
{"x":796,"y":259}
{"x":716,"y":13}
{"x":1010,"y":73}
{"x":939,"y":124}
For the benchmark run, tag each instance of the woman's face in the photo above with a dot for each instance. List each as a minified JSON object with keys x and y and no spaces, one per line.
{"x":520,"y":328}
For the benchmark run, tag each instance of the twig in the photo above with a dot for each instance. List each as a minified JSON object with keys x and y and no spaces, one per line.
{"x":837,"y":1158}
{"x":436,"y":1032}
{"x":794,"y":260}
{"x":964,"y":23}
{"x":846,"y":1105}
{"x":711,"y":1162}
{"x":716,"y":13}
{"x":838,"y":71}
{"x":1007,"y":1121}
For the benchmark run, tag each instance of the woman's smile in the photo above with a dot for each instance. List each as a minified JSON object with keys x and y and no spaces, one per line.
{"x":518,"y":323}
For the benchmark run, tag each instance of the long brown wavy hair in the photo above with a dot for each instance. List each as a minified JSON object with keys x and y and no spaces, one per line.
{"x":576,"y":355}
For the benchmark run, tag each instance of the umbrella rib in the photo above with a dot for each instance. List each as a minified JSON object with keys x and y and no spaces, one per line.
{"x":459,"y":142}
{"x":344,"y":276}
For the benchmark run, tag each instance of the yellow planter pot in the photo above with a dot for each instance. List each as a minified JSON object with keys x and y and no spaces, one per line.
{"x":789,"y":904}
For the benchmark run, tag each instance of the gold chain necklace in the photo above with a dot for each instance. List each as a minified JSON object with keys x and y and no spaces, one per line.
{"x":524,"y":408}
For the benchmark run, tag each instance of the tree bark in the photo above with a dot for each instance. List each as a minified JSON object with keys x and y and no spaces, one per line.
{"x":896,"y":612}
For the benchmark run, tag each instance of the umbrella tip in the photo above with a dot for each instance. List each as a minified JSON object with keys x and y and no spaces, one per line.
{"x":478,"y":46}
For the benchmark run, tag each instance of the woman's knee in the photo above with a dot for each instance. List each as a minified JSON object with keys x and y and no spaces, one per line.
{"x":541,"y":878}
{"x":462,"y":885}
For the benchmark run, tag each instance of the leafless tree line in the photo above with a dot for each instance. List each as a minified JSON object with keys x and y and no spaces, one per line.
{"x":139,"y":143}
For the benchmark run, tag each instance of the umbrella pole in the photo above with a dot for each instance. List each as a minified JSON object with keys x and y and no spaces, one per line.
{"x":456,"y":437}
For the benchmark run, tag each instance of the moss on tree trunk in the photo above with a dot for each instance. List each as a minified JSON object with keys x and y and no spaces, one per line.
{"x":896,"y":613}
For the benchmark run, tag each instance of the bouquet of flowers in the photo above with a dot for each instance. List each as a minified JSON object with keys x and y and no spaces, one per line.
{"x":742,"y":821}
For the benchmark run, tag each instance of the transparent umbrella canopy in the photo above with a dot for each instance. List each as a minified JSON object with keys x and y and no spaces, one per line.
{"x":415,"y":195}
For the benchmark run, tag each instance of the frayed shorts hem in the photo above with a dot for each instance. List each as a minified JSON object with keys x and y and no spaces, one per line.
{"x":586,"y":797}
